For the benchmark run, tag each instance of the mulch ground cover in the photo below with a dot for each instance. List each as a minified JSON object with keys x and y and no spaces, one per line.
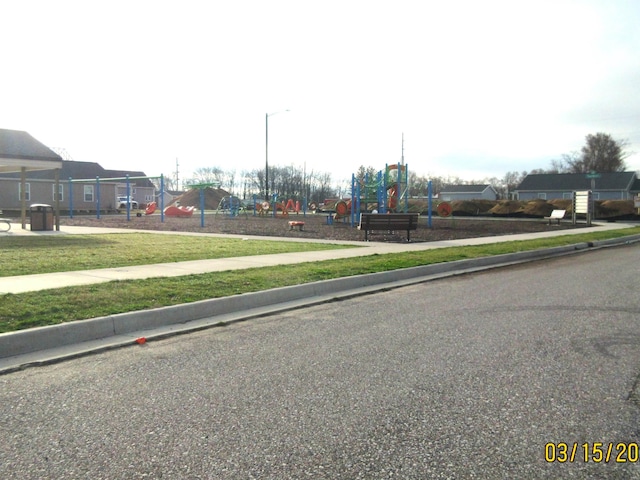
{"x":316,"y":226}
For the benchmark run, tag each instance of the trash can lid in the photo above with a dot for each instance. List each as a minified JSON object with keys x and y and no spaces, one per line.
{"x":39,"y":205}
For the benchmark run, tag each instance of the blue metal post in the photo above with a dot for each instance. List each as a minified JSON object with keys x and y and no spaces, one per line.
{"x":161,"y":198}
{"x":254,"y":205}
{"x":382,"y":190}
{"x":359,"y":202}
{"x":406,"y":190}
{"x":406,"y":196}
{"x":359,"y":195}
{"x":354,"y":198}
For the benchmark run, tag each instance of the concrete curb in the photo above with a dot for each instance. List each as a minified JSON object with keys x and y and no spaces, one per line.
{"x":250,"y":305}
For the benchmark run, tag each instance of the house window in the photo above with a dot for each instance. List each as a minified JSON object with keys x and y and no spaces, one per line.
{"x":60,"y":192}
{"x":567,"y":196}
{"x":27,"y":192}
{"x":542,"y":196}
{"x":88,"y":193}
{"x":595,"y":195}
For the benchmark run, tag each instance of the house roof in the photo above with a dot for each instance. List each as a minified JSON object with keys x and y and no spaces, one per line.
{"x":20,"y":150}
{"x":86,"y":170}
{"x":464,"y":188}
{"x":139,"y":182}
{"x":636,"y":185}
{"x":71,"y":169}
{"x":575,"y":181}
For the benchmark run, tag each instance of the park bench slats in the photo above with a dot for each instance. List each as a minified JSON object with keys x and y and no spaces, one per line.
{"x":390,"y":222}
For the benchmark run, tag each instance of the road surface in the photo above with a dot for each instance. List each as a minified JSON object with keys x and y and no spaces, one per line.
{"x":524,"y":372}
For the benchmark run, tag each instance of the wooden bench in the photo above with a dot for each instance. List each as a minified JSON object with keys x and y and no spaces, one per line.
{"x":370,"y":222}
{"x":556,"y":215}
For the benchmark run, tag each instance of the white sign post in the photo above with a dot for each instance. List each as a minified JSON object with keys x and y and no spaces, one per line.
{"x":582,"y":204}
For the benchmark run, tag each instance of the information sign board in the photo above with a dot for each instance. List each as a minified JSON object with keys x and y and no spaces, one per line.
{"x":582,"y":204}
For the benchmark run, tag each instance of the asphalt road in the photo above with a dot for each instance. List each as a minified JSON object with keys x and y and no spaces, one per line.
{"x":479,"y":376}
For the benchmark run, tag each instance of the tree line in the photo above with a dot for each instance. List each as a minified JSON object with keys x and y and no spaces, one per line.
{"x":285,"y":182}
{"x":601,"y":153}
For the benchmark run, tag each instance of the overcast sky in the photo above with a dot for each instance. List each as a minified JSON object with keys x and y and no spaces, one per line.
{"x":478,"y":88}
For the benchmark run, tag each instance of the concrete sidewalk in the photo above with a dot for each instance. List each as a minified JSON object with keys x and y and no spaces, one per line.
{"x":29,"y":283}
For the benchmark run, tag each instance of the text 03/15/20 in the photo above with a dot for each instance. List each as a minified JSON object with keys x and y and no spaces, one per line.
{"x":597,"y":452}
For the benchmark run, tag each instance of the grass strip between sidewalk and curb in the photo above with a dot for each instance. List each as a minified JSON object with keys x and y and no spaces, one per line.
{"x":55,"y":306}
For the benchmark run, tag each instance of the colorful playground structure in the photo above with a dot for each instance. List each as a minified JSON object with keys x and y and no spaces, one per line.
{"x":385,"y":192}
{"x":284,"y":208}
{"x":171,"y":210}
{"x":230,"y":205}
{"x":180,"y":212}
{"x":152,"y":207}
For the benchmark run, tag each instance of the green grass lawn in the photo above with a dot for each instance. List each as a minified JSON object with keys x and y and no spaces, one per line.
{"x":66,"y":253}
{"x":48,"y":307}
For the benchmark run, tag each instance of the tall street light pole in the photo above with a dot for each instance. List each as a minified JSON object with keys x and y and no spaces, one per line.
{"x":266,"y":154}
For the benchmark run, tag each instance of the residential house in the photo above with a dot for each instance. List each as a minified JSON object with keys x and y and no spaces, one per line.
{"x":635,"y":188}
{"x":142,"y":190}
{"x":21,"y":155}
{"x":83,"y":185}
{"x":170,"y":196}
{"x":468,"y":192}
{"x":604,"y":186}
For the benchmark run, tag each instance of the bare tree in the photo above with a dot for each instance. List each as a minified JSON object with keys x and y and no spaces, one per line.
{"x":511,"y":180}
{"x":169,"y":183}
{"x":228,"y":181}
{"x":601,"y":153}
{"x":205,"y":175}
{"x":418,"y":185}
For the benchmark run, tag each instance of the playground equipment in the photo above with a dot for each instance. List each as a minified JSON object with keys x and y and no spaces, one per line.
{"x":127,"y":179}
{"x":286,"y":208}
{"x":262,"y":208}
{"x":276,"y":208}
{"x":150,"y":208}
{"x":230,"y":204}
{"x":291,"y":206}
{"x":385,"y":192}
{"x":181,"y":212}
{"x":343,"y":207}
{"x":296,"y":223}
{"x":444,"y":209}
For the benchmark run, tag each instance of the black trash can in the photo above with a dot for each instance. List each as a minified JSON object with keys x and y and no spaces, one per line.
{"x":41,"y":217}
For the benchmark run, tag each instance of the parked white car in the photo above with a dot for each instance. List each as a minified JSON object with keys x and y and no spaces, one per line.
{"x":122,"y":203}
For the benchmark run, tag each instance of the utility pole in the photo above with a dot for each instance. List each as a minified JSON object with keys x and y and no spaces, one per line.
{"x":266,"y":158}
{"x":177,"y":175}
